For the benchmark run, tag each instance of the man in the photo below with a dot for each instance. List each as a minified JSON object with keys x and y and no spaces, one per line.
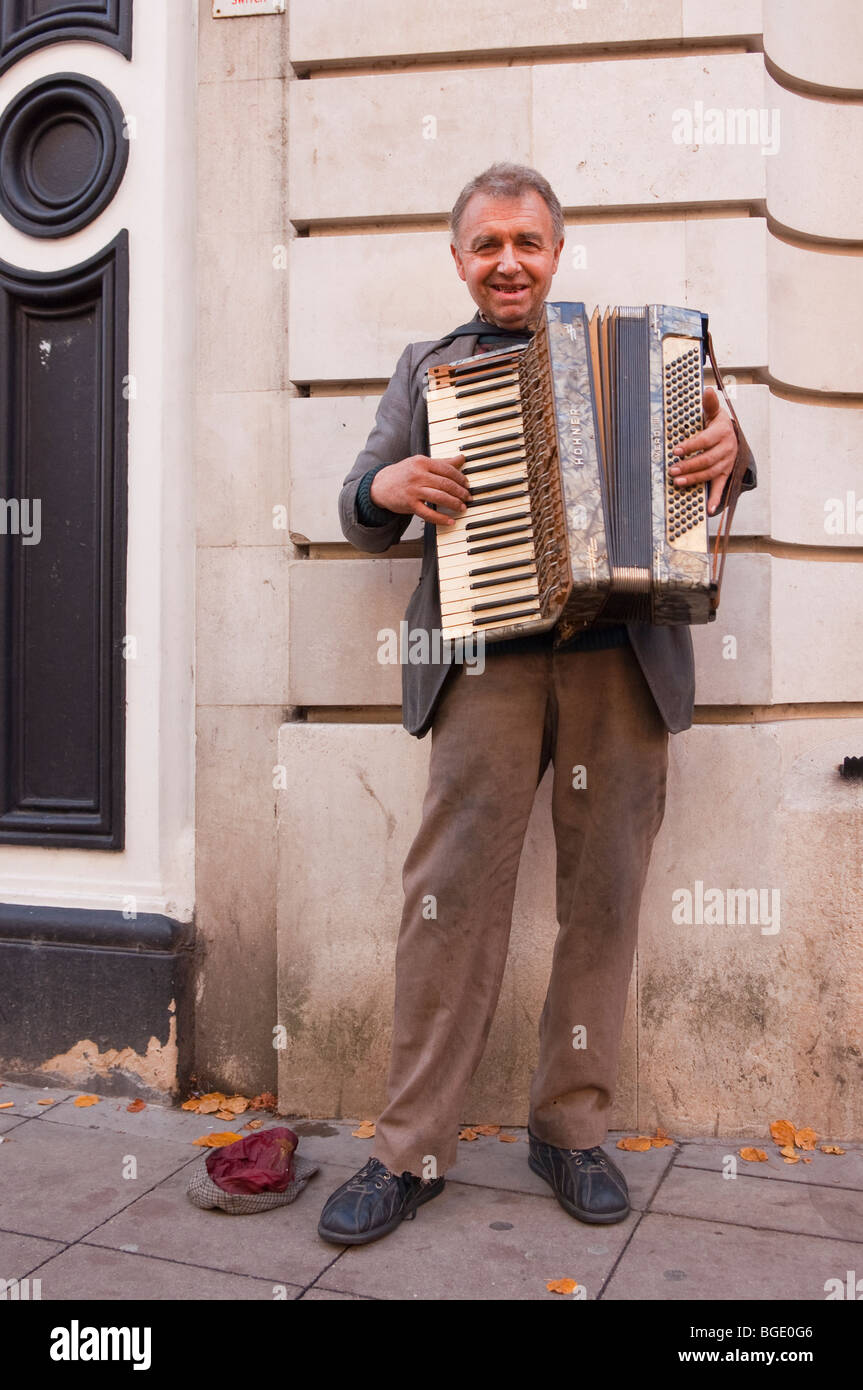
{"x":605,"y":701}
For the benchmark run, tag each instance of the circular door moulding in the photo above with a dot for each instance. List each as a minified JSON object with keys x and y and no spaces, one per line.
{"x":63,"y":154}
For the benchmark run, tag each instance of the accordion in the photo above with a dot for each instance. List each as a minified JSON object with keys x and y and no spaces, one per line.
{"x":574,"y":518}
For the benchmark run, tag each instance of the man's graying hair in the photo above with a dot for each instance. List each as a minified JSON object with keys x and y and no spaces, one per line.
{"x":508,"y":181}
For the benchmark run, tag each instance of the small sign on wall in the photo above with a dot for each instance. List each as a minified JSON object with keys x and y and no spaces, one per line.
{"x":225,"y":9}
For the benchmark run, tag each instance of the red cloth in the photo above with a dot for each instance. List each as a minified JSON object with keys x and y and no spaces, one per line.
{"x":261,"y":1162}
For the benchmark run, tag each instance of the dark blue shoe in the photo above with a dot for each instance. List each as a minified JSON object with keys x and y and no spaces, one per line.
{"x":372,"y":1203}
{"x":585,"y":1181}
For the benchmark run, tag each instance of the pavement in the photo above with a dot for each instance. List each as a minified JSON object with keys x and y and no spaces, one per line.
{"x":93,"y":1205}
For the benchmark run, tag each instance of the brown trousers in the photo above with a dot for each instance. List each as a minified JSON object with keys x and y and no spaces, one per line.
{"x":492,"y":739}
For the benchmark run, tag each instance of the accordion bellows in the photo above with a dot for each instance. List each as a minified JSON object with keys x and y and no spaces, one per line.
{"x":574,"y":518}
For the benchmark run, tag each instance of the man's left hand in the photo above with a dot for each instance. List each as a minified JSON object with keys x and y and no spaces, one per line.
{"x":718,"y":443}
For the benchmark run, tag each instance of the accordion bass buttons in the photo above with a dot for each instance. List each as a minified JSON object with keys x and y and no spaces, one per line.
{"x":685,"y":507}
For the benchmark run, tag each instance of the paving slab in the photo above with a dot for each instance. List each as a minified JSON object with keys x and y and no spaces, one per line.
{"x":59,"y":1181}
{"x":743,"y":1201}
{"x":26,"y":1098}
{"x":20,"y":1255}
{"x":281,"y":1245}
{"x":479,"y":1243}
{"x":825,"y":1170}
{"x":676,"y":1258}
{"x":155,"y":1122}
{"x":86,"y":1272}
{"x":8,"y":1120}
{"x":331,"y":1295}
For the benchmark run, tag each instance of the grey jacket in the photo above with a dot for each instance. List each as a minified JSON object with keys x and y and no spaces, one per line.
{"x":401,"y":430}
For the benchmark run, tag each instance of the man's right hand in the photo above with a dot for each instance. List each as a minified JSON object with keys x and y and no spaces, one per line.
{"x":408,"y":487}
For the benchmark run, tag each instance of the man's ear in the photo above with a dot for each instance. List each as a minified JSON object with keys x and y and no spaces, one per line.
{"x":557,"y":250}
{"x":459,"y":264}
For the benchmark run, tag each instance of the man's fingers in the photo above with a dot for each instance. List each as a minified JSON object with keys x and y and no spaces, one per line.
{"x":710,"y":403}
{"x":436,"y":518}
{"x":447,"y":468}
{"x":715,"y":491}
{"x":441,"y":497}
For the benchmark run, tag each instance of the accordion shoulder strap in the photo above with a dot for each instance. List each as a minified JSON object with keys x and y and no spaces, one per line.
{"x":733,"y":486}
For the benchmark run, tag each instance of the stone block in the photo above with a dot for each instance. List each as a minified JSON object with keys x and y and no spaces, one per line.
{"x":711,"y":18}
{"x":823,"y":138}
{"x":337,"y":609}
{"x":240,"y":156}
{"x":598,"y":151}
{"x":242,"y":294}
{"x":242,"y":625}
{"x":339,"y":31}
{"x":817,"y":449}
{"x":402,"y":143}
{"x":815,"y":609}
{"x":749,"y":963}
{"x":240,"y":50}
{"x":814,"y":296}
{"x":326,"y":435}
{"x":242,"y":467}
{"x":821,"y":44}
{"x":734,"y":653}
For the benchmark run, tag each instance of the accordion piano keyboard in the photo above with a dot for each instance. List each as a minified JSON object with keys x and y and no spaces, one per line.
{"x":486,"y":560}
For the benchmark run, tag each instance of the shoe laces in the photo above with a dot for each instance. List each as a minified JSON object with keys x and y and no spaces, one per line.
{"x":595,"y":1157}
{"x":372,"y":1171}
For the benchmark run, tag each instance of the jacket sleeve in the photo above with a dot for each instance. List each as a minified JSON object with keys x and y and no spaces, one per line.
{"x":389,"y":442}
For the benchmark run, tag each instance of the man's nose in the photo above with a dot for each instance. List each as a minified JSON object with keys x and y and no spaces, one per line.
{"x":508,"y":261}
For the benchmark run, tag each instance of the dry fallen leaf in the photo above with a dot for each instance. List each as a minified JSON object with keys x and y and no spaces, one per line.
{"x":6,"y":1104}
{"x":660,"y":1141}
{"x":795,"y":1158}
{"x":635,"y":1143}
{"x":208,"y":1107}
{"x":238,"y":1105}
{"x":85,"y":1100}
{"x":562,"y":1285}
{"x":137,"y":1106}
{"x":265,"y":1101}
{"x":831,"y":1149}
{"x":45,"y":1102}
{"x":753,"y":1155}
{"x":487,"y":1129}
{"x":253,"y":1124}
{"x":191,"y":1104}
{"x":805,"y":1138}
{"x":468,"y":1134}
{"x":782,"y":1132}
{"x":508,"y":1138}
{"x":365,"y":1131}
{"x":788,"y":1151}
{"x":225,"y":1115}
{"x":216,"y":1141}
{"x":807,"y":1160}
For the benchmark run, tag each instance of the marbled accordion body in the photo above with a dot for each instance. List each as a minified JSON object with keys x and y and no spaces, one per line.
{"x":574,"y":518}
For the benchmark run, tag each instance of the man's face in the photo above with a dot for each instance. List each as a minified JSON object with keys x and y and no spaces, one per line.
{"x":507,"y":256}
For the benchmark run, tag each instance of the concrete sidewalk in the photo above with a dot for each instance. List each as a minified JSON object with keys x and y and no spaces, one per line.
{"x":70,"y":1218}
